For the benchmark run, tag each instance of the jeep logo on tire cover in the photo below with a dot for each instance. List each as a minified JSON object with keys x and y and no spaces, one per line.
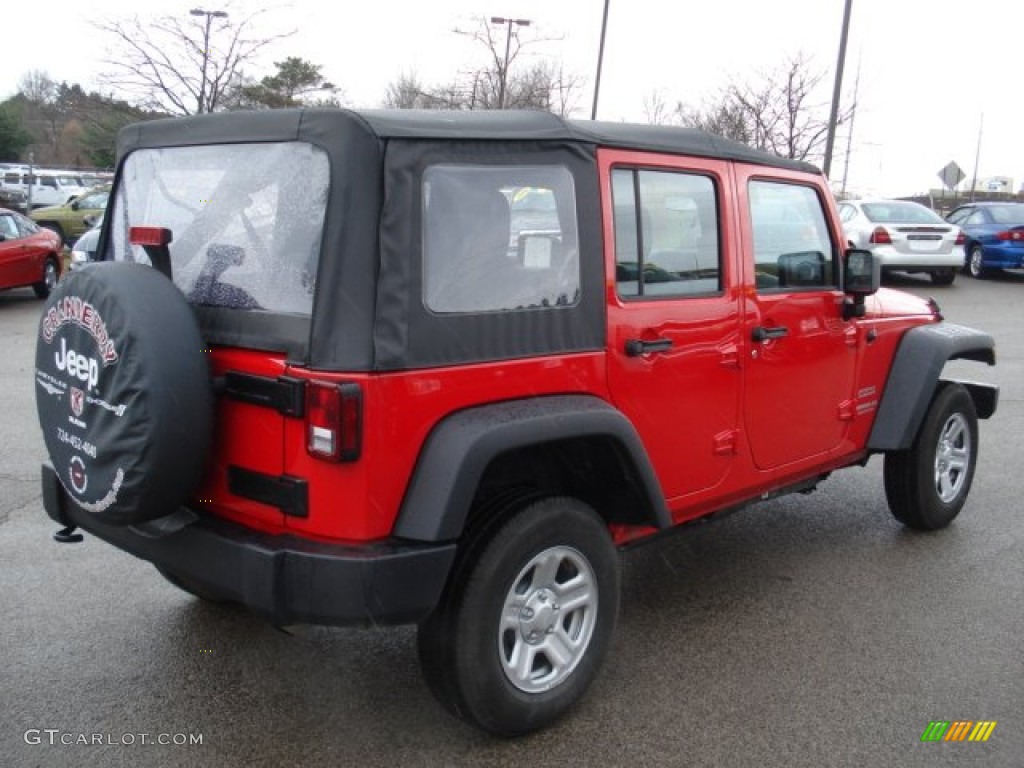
{"x":123,"y":391}
{"x":80,"y":349}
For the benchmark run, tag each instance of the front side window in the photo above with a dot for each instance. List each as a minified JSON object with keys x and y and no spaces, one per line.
{"x":499,"y":238}
{"x":246,"y":220}
{"x":672,"y":247}
{"x":792,"y":246}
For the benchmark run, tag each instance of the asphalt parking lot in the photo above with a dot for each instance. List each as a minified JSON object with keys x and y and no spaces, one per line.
{"x":807,"y":631}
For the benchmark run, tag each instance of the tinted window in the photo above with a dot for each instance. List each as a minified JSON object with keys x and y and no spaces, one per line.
{"x":246,"y":220}
{"x":499,"y":238}
{"x":672,"y":247}
{"x":792,"y":246}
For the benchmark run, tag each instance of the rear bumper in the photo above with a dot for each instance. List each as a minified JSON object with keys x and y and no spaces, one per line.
{"x":924,"y":261}
{"x":286,"y":579}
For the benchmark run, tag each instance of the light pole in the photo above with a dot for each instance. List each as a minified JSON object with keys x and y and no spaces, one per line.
{"x":503,"y":79}
{"x":600,"y":59}
{"x":210,"y":15}
{"x":830,"y":138}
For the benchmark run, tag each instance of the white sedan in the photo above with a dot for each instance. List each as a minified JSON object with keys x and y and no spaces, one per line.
{"x":905,"y":236}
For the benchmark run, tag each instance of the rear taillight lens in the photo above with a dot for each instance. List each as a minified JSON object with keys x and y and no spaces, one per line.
{"x":334,"y":420}
{"x":960,"y":239}
{"x":1011,"y":236}
{"x":880,"y":237}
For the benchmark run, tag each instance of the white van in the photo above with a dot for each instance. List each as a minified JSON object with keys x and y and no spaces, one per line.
{"x":44,"y":187}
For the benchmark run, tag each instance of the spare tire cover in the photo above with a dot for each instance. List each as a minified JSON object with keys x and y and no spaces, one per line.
{"x":123,"y":391}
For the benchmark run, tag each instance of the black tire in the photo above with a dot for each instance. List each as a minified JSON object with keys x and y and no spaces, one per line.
{"x":123,"y":392}
{"x":927,"y":484}
{"x":469,"y":641}
{"x":196,"y":590}
{"x":975,"y":267}
{"x":51,"y":273}
{"x":943,"y":277}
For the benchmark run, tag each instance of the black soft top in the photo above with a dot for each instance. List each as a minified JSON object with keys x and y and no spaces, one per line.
{"x":368,"y":313}
{"x":506,"y":125}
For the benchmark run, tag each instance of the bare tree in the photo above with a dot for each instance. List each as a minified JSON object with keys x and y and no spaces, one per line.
{"x":182,"y":65}
{"x":784,"y":113}
{"x":496,"y":85}
{"x":656,"y":109}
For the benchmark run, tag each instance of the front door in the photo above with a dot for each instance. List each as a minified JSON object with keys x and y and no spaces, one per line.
{"x":801,"y":354}
{"x":673,"y":312}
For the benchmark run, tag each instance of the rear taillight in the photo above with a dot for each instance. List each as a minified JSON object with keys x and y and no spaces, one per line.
{"x":960,"y":239}
{"x":334,"y":420}
{"x":1011,"y":236}
{"x":880,"y":237}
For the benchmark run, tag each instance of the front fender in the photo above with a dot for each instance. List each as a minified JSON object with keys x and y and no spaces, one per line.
{"x":459,"y":449}
{"x":920,"y":358}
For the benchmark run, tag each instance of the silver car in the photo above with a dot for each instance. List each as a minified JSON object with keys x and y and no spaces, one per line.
{"x":905,"y":236}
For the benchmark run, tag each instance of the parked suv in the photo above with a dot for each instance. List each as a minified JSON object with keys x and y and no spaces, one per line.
{"x":437,"y":368}
{"x":43,"y":188}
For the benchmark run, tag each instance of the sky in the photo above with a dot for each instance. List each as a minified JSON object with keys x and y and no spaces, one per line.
{"x":933,"y":87}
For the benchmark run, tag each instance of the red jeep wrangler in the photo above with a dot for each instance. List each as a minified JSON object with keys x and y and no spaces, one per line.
{"x":396,"y":367}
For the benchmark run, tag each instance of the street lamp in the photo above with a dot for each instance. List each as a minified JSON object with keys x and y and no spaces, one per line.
{"x":210,"y":15}
{"x":503,"y":79}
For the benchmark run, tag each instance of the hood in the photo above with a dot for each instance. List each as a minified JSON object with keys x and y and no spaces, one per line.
{"x":892,"y":303}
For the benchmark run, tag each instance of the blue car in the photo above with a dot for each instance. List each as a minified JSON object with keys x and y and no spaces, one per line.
{"x":995,"y":236}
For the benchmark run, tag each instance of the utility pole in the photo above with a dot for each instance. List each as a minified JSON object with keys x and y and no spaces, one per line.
{"x":210,"y":15}
{"x":837,"y":90}
{"x":977,"y":156}
{"x":849,"y":135}
{"x":503,"y":75}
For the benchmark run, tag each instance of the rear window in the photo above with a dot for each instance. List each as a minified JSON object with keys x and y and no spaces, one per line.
{"x":246,"y":220}
{"x":900,"y":213}
{"x":1007,"y":214}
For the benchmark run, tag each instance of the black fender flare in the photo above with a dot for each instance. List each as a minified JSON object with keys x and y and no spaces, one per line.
{"x":460,"y":447}
{"x":918,"y":363}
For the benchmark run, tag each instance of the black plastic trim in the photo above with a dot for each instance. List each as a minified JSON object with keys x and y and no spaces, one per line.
{"x":287,"y":493}
{"x":286,"y":579}
{"x":459,"y":449}
{"x":918,"y":363}
{"x":284,"y":394}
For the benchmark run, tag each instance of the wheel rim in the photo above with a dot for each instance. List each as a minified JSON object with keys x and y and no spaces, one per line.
{"x":50,"y":275}
{"x":952,"y":457}
{"x":548,"y":619}
{"x":976,"y":262}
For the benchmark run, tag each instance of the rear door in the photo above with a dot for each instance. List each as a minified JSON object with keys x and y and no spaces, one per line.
{"x":801,"y":354}
{"x":673,"y":312}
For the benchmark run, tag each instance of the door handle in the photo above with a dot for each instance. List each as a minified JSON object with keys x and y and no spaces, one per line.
{"x":761,"y":333}
{"x":637,"y":347}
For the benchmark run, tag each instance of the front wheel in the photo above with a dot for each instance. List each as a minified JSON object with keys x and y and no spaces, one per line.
{"x":526,"y":620}
{"x":927,"y":484}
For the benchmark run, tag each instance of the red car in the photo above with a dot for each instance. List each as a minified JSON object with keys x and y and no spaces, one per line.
{"x":29,"y":255}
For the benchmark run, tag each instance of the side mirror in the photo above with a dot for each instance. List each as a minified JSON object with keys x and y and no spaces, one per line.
{"x":862,"y":277}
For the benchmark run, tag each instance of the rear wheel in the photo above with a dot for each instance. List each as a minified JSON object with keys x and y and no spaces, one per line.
{"x":927,"y":484}
{"x":943,"y":277}
{"x":48,"y":283}
{"x":976,"y":263}
{"x":526,"y":619}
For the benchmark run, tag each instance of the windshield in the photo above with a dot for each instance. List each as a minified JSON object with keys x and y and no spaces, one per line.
{"x":246,"y":220}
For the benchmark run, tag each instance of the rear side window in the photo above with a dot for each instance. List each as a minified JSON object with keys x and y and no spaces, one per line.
{"x":672,"y":247}
{"x":499,"y":238}
{"x":246,"y":220}
{"x":792,"y":246}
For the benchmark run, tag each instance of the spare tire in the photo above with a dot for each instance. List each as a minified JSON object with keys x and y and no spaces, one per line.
{"x":123,"y":392}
